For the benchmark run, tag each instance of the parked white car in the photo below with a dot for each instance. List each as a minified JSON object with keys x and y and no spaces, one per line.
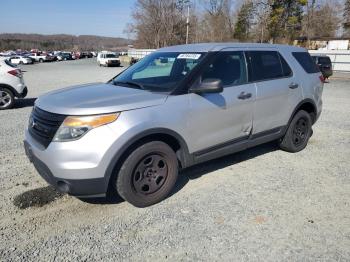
{"x":11,"y":84}
{"x":108,"y":59}
{"x":18,"y":60}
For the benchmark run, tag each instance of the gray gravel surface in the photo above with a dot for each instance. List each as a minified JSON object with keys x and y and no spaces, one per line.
{"x":262,"y":204}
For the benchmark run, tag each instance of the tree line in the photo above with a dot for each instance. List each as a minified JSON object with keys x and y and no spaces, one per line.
{"x":158,"y":23}
{"x":61,"y":42}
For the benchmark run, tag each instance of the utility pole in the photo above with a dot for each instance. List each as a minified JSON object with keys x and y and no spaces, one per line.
{"x":187,"y":20}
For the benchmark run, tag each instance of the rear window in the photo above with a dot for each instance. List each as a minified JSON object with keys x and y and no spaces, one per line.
{"x":7,"y":62}
{"x":324,"y":60}
{"x":305,"y":60}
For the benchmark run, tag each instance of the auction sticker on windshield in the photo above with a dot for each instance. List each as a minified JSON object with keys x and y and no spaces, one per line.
{"x":188,"y":56}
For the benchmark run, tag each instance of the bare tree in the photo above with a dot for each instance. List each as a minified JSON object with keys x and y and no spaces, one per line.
{"x":217,"y":23}
{"x":159,"y":23}
{"x":321,"y":19}
{"x":346,"y":17}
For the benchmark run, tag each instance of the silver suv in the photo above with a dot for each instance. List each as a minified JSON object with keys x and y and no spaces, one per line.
{"x":177,"y":107}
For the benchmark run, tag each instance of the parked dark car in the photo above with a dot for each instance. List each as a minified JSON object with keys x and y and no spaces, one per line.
{"x":134,"y":60}
{"x":51,"y":58}
{"x":324,"y":63}
{"x":86,"y":55}
{"x":64,"y":56}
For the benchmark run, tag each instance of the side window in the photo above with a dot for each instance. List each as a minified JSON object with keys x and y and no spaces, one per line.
{"x":287,"y":71}
{"x":229,"y":67}
{"x":264,"y":65}
{"x":306,"y":62}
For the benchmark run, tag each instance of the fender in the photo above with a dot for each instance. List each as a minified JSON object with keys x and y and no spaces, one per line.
{"x":14,"y":92}
{"x":299,"y":105}
{"x":183,"y":154}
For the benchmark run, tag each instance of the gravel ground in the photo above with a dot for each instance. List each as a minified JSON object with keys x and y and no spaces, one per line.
{"x":262,"y":204}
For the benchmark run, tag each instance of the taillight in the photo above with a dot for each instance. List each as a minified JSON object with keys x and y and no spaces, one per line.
{"x":322,"y":79}
{"x":15,"y":72}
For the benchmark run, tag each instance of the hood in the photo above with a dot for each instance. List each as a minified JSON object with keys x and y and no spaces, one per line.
{"x":97,"y":98}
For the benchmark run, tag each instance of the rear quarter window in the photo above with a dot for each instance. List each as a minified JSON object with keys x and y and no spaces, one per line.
{"x":324,"y":60}
{"x":306,"y":62}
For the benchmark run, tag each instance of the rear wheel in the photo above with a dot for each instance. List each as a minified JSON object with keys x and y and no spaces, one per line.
{"x":41,"y":60}
{"x":7,"y":99}
{"x":298,"y":133}
{"x":148,"y":174}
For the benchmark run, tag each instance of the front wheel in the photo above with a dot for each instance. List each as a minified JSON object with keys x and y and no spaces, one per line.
{"x":298,"y":133}
{"x":148,"y":174}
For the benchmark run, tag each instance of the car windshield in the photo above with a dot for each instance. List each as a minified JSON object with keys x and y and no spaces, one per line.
{"x":111,"y":56}
{"x":159,"y":71}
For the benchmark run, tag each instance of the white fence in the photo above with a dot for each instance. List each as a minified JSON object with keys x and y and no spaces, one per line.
{"x":340,"y":58}
{"x":139,"y":53}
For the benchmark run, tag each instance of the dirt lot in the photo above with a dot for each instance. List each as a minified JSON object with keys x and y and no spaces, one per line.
{"x":259,"y":205}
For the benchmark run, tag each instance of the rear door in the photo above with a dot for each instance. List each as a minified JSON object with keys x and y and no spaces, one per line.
{"x":277,"y":89}
{"x":220,"y":119}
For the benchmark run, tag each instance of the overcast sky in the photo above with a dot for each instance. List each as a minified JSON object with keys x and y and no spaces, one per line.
{"x":77,"y":17}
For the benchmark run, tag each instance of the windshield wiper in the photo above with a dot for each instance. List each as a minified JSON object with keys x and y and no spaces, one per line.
{"x":139,"y":86}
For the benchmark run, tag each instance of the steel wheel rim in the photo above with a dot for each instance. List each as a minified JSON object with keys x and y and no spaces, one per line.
{"x":5,"y":99}
{"x":300,"y":131}
{"x":150,"y":174}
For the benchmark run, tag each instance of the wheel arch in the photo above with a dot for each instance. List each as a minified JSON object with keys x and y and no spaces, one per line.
{"x":170,"y":137}
{"x":307,"y":105}
{"x":14,"y":92}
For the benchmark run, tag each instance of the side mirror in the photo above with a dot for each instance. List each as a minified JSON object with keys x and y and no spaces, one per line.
{"x":209,"y":85}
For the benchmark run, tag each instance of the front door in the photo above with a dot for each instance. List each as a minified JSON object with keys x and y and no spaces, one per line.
{"x":217,"y":119}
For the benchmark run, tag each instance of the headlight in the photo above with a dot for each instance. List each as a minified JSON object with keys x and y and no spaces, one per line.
{"x":74,"y":127}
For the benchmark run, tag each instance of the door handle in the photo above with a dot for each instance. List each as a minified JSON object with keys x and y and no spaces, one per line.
{"x":293,"y":86}
{"x":244,"y":95}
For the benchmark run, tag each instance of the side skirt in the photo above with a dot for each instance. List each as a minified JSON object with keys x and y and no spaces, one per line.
{"x":238,"y":145}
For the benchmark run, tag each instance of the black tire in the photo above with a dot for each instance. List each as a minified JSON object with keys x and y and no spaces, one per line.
{"x":41,"y":60}
{"x":148,"y":174}
{"x":7,"y":99}
{"x":298,"y":133}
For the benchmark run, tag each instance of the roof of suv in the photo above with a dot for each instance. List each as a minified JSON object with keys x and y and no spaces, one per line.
{"x":207,"y":47}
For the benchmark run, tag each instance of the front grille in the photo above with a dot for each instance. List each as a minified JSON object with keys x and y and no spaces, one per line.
{"x":43,"y":125}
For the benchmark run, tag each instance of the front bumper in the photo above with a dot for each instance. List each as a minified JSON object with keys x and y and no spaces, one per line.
{"x":77,"y":167}
{"x":94,"y":187}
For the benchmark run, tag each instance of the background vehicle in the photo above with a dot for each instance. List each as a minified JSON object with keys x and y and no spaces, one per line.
{"x":17,"y":60}
{"x":50,"y":57}
{"x":108,"y":59}
{"x":325,"y":65}
{"x":133,"y":60}
{"x":38,"y":57}
{"x":11,"y":84}
{"x":177,"y":107}
{"x":85,"y":55}
{"x":64,"y":56}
